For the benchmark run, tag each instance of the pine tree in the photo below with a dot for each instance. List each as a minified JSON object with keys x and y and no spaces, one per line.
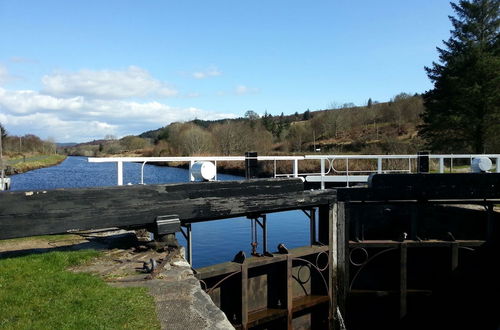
{"x":462,"y":111}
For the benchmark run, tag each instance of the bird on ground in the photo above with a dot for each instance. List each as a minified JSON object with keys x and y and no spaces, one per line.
{"x":402,"y":237}
{"x":239,"y":257}
{"x":282,"y":249}
{"x":150,"y":266}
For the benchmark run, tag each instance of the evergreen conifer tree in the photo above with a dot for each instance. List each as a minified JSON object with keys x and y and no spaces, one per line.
{"x":462,"y":111}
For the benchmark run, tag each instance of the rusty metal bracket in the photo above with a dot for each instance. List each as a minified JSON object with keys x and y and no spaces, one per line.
{"x":254,"y":221}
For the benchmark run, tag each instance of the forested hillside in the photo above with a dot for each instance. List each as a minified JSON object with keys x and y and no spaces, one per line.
{"x":375,"y":128}
{"x":389,"y":127}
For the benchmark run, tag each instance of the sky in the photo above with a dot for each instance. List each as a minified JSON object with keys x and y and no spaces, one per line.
{"x":75,"y":71}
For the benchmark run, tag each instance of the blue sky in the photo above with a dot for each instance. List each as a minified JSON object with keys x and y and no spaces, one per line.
{"x":78,"y":70}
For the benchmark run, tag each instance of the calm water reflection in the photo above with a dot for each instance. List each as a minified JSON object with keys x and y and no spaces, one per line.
{"x":213,"y":242}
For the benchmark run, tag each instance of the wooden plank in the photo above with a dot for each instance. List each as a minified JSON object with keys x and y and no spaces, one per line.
{"x":425,"y":187}
{"x":266,"y":315}
{"x":429,"y":181}
{"x":289,"y":293}
{"x":230,"y":267}
{"x":408,"y":194}
{"x":305,"y":302}
{"x":332,"y":270}
{"x":403,"y":280}
{"x":342,"y":220}
{"x":57,"y":211}
{"x":244,"y":296}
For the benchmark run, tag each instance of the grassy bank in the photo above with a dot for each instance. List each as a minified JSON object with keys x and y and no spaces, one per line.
{"x":37,"y":292}
{"x":22,"y":164}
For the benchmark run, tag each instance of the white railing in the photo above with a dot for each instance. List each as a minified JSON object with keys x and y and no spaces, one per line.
{"x":348,"y":175}
{"x":351,"y":172}
{"x":191,"y":160}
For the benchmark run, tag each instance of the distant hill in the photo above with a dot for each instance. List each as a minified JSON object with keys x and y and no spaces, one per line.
{"x":378,"y":127}
{"x":66,"y":144}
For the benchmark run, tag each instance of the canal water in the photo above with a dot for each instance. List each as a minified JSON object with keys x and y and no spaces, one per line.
{"x":213,"y":242}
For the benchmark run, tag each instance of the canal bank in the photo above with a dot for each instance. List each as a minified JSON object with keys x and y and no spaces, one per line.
{"x":23,"y":164}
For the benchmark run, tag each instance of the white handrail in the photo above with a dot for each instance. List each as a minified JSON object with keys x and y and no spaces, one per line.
{"x":295,"y":163}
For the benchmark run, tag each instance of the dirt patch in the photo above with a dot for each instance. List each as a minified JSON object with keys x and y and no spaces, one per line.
{"x":101,"y":240}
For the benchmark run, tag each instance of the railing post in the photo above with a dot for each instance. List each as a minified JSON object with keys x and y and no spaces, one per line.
{"x":119,"y":172}
{"x":142,"y":172}
{"x":498,"y":164}
{"x":251,"y":165}
{"x":323,"y":173}
{"x":191,"y":177}
{"x":423,"y":162}
{"x":379,"y":165}
{"x":347,"y":171}
{"x":295,"y":168}
{"x":441,"y":165}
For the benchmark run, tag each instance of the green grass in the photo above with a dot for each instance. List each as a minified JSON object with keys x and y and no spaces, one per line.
{"x":32,"y":163}
{"x":37,"y":292}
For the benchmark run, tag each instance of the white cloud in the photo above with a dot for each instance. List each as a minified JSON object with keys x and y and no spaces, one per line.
{"x":242,"y":89}
{"x":210,"y":72}
{"x":27,"y":101}
{"x":77,"y":119}
{"x":45,"y":124}
{"x":86,"y":105}
{"x":106,"y":84}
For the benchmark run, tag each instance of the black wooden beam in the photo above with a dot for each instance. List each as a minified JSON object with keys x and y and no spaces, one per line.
{"x":31,"y":213}
{"x":426,"y":187}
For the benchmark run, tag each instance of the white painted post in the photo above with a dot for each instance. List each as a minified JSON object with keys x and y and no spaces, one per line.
{"x":347,"y":171}
{"x":379,"y":165}
{"x":191,"y":177}
{"x":142,"y":172}
{"x":322,"y":173}
{"x":498,"y":164}
{"x":295,"y":168}
{"x":441,"y":165}
{"x":119,"y":166}
{"x":215,"y":163}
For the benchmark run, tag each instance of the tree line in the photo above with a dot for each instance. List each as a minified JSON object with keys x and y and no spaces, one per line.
{"x":344,"y":127}
{"x":26,"y":144}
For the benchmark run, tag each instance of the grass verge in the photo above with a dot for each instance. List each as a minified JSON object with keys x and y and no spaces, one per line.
{"x":37,"y":292}
{"x":35,"y":163}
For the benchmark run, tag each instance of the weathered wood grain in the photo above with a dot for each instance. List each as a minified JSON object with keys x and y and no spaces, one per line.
{"x":426,"y":187}
{"x":57,"y":211}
